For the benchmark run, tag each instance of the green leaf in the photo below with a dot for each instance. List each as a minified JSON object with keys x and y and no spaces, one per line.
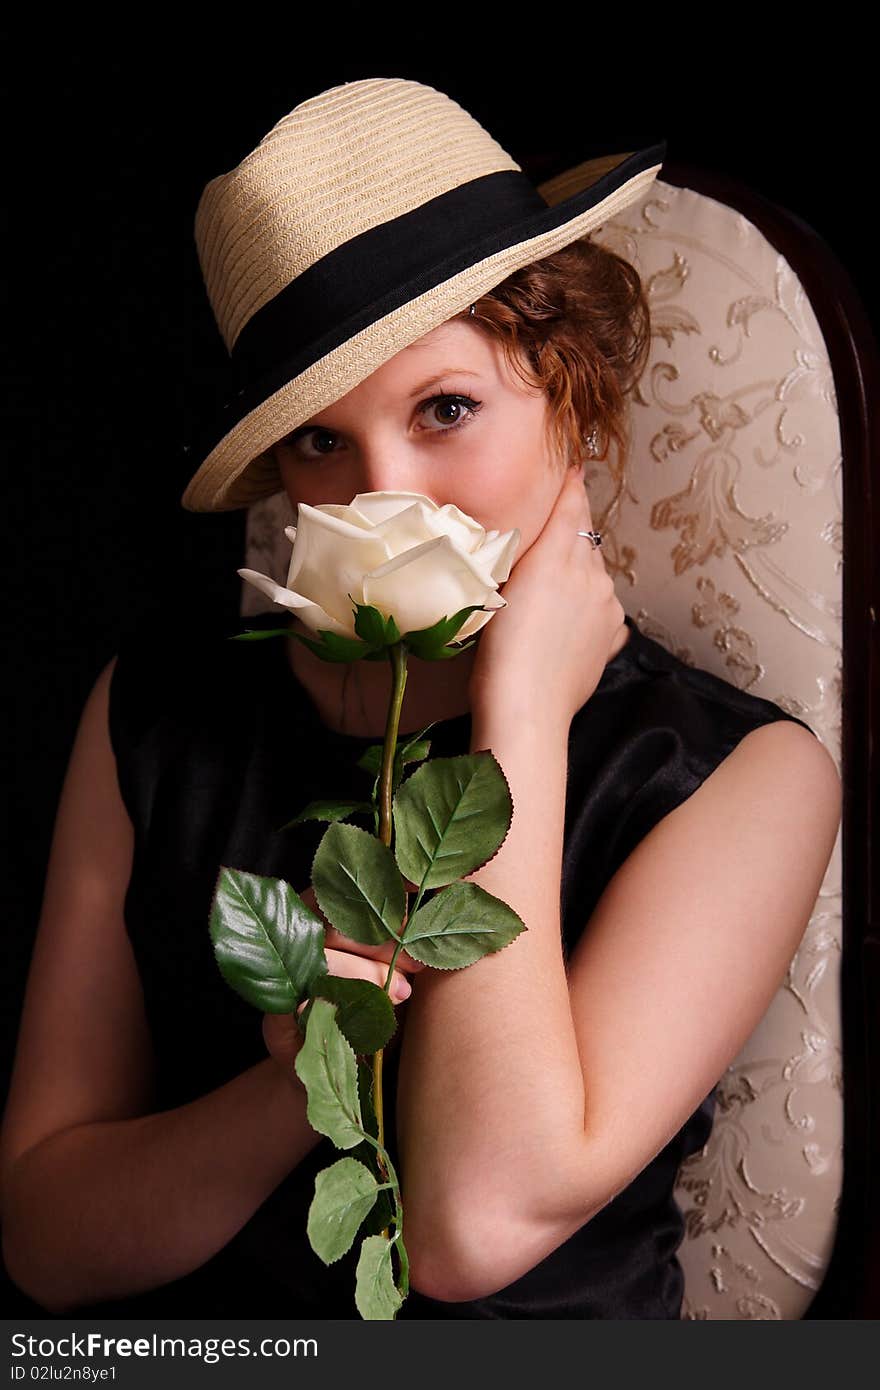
{"x":358,"y":886}
{"x":444,"y":653}
{"x":343,"y":648}
{"x":328,"y":810}
{"x":371,"y":759}
{"x":429,"y":643}
{"x":376,"y":1295}
{"x":365,"y":1014}
{"x":371,"y":625}
{"x":459,"y":926}
{"x":268,"y":944}
{"x":410,"y":751}
{"x":255,"y":634}
{"x":344,"y":1195}
{"x":326,"y":1066}
{"x":383,"y":1214}
{"x":450,"y":817}
{"x":415,"y":750}
{"x":334,"y":646}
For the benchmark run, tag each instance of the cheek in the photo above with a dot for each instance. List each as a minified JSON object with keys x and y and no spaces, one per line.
{"x":310,"y":485}
{"x":511,"y":482}
{"x":514,"y":491}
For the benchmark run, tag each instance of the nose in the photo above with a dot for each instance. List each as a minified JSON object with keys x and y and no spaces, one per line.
{"x":391,"y":466}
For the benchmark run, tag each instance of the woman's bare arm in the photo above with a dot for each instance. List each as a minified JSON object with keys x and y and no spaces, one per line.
{"x":531,"y":1094}
{"x":490,"y":1101}
{"x":101,"y":1198}
{"x":114,"y":1207}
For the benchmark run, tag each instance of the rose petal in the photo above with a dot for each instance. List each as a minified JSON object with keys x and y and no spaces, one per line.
{"x":310,"y":613}
{"x":329,"y":559}
{"x":406,"y":529}
{"x":464,"y":530}
{"x":376,"y":507}
{"x":496,"y":556}
{"x":344,"y":513}
{"x":344,"y":526}
{"x":478,"y":620}
{"x":426,"y":583}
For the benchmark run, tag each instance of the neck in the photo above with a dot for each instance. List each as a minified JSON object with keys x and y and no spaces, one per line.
{"x":353,"y":697}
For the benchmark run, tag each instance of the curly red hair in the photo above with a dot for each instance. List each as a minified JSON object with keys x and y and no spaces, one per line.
{"x":576,"y":324}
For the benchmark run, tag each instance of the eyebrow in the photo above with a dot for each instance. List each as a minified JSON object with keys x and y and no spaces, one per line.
{"x":436,"y":380}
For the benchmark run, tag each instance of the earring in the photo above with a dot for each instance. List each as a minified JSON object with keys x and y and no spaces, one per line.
{"x":592,"y":443}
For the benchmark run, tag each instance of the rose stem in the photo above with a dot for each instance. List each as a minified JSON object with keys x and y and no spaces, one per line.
{"x":397,"y":658}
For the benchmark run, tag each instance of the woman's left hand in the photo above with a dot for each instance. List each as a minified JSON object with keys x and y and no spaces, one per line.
{"x":349,"y":959}
{"x":550,"y":645}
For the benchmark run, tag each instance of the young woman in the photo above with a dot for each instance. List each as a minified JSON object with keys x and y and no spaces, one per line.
{"x":406,"y":313}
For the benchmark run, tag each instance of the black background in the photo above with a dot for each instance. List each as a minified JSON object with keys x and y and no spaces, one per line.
{"x":110,"y":136}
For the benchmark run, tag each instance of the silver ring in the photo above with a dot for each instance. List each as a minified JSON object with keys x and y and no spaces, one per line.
{"x":594,"y":536}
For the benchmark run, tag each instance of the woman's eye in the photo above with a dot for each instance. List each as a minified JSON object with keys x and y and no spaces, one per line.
{"x":317,"y":436}
{"x":463,"y":407}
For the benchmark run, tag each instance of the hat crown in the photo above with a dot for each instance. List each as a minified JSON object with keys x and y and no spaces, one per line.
{"x":340,"y":163}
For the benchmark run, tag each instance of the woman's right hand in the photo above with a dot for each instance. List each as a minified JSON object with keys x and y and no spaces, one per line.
{"x":563,"y":615}
{"x":281,"y":1032}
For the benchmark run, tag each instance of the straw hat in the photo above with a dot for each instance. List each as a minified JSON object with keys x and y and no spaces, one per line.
{"x":365,"y":218}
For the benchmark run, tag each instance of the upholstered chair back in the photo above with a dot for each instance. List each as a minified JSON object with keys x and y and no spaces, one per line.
{"x":725,"y":541}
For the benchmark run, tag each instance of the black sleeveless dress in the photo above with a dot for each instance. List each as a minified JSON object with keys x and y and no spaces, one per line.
{"x":217,"y":744}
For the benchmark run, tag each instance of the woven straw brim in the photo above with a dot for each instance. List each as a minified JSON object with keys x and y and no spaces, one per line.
{"x":238,"y":471}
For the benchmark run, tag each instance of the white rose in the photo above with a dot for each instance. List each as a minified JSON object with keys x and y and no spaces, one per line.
{"x":397,"y":551}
